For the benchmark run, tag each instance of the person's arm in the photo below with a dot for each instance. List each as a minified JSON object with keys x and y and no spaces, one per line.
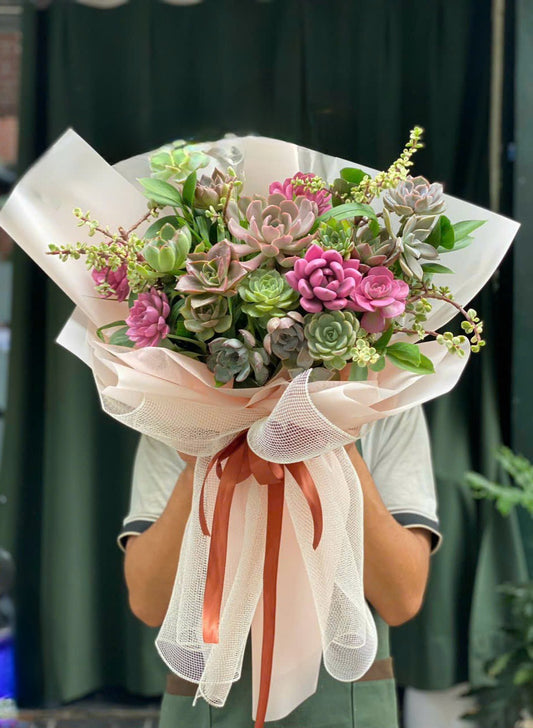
{"x":152,"y":557}
{"x":396,"y":559}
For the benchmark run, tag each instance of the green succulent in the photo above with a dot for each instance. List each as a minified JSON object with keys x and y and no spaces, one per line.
{"x":237,"y":359}
{"x":336,"y":235}
{"x":331,"y":337}
{"x":176,"y":161}
{"x":267,"y":293}
{"x":206,"y":315}
{"x":167,"y":252}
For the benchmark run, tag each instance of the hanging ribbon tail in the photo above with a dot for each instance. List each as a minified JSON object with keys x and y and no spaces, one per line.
{"x":276,"y":493}
{"x":303,"y":478}
{"x":235,"y":471}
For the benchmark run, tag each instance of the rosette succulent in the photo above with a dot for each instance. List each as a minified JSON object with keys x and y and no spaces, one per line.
{"x":323,"y":279}
{"x":415,"y":196}
{"x":217,"y":272}
{"x":306,"y":185}
{"x":147,"y":322}
{"x":237,"y":359}
{"x":336,"y":235}
{"x":331,"y":337}
{"x":266,"y":293}
{"x":177,"y":161}
{"x":374,"y":250}
{"x":381,"y":296}
{"x":285,"y":339}
{"x":167,"y":252}
{"x":412,"y":251}
{"x":113,"y":282}
{"x":275,"y":228}
{"x":210,"y":190}
{"x":206,"y":315}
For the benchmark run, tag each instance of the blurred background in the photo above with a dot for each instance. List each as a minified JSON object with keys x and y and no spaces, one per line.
{"x":349,"y":79}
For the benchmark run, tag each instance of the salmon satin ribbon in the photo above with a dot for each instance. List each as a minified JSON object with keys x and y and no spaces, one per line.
{"x":240,"y":464}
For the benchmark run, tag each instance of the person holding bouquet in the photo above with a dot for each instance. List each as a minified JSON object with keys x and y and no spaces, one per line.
{"x":401,"y":530}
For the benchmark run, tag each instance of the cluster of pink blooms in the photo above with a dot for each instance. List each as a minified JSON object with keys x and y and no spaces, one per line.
{"x":147,"y":322}
{"x":289,"y":190}
{"x":325,"y":280}
{"x":117,"y":281}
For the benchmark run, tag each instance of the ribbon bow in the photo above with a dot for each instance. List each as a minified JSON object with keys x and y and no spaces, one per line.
{"x":234,"y":464}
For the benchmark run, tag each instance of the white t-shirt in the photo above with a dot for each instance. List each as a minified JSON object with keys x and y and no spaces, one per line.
{"x":396,"y":450}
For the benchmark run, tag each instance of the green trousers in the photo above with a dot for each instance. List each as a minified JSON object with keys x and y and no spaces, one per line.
{"x":362,"y":704}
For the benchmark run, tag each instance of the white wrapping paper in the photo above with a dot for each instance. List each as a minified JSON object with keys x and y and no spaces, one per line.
{"x":321,"y":610}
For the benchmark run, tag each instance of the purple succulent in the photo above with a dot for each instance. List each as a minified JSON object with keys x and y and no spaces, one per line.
{"x":117,"y":280}
{"x":147,"y":321}
{"x":290,"y":190}
{"x":324,"y":279}
{"x":381,"y":296}
{"x":217,"y":272}
{"x":276,"y":228}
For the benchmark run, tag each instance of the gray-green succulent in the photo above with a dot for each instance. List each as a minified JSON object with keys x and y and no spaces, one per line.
{"x":238,"y":359}
{"x":415,"y":196}
{"x":206,"y":315}
{"x":331,"y":337}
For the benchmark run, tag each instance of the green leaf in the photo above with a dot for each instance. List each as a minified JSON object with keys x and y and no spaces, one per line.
{"x":343,"y":212}
{"x":112,"y":325}
{"x":409,"y":353}
{"x":357,"y":373}
{"x":523,"y":676}
{"x":464,"y":228}
{"x":404,"y":356}
{"x":203,"y":227}
{"x":459,"y":245}
{"x":381,"y":344}
{"x":435,"y":268}
{"x":353,"y":175}
{"x":120,"y":338}
{"x":188,"y":189}
{"x":160,"y":192}
{"x":379,"y":365}
{"x":442,"y":235}
{"x":156,"y":226}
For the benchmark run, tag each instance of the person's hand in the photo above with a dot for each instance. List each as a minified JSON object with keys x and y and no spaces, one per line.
{"x":189,"y":459}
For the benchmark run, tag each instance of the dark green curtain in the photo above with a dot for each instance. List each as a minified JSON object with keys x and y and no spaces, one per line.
{"x":348,"y":78}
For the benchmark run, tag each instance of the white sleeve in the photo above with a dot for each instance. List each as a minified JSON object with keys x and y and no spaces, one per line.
{"x":155,"y":472}
{"x":397,"y":452}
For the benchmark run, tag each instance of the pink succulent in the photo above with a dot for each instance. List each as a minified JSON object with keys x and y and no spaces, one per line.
{"x":324,"y":279}
{"x":381,"y":296}
{"x":291,"y":191}
{"x":116,"y":279}
{"x":147,"y":320}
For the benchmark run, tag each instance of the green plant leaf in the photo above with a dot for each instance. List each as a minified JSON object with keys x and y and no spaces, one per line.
{"x":464,"y":228}
{"x":459,"y":245}
{"x":442,"y":235}
{"x":353,"y":175}
{"x":435,"y":268}
{"x":188,"y":189}
{"x":112,"y":325}
{"x":358,"y":374}
{"x":160,"y":192}
{"x":382,"y":343}
{"x":120,"y":338}
{"x":346,"y":211}
{"x":379,"y":365}
{"x":403,"y":356}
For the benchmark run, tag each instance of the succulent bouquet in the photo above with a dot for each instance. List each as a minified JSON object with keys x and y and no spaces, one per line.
{"x":310,"y":275}
{"x":261,"y":314}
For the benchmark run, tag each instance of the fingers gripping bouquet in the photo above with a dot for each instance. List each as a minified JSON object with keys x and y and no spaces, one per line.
{"x":268,"y":306}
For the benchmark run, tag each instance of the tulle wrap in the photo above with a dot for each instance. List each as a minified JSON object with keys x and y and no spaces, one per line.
{"x":320,"y":610}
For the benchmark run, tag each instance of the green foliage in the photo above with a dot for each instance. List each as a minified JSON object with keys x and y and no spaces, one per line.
{"x":504,"y":702}
{"x":442,"y":235}
{"x":510,"y":695}
{"x":160,"y":192}
{"x":409,"y":357}
{"x":507,"y":497}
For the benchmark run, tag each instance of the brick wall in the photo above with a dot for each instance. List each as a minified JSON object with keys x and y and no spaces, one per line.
{"x":10,"y":47}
